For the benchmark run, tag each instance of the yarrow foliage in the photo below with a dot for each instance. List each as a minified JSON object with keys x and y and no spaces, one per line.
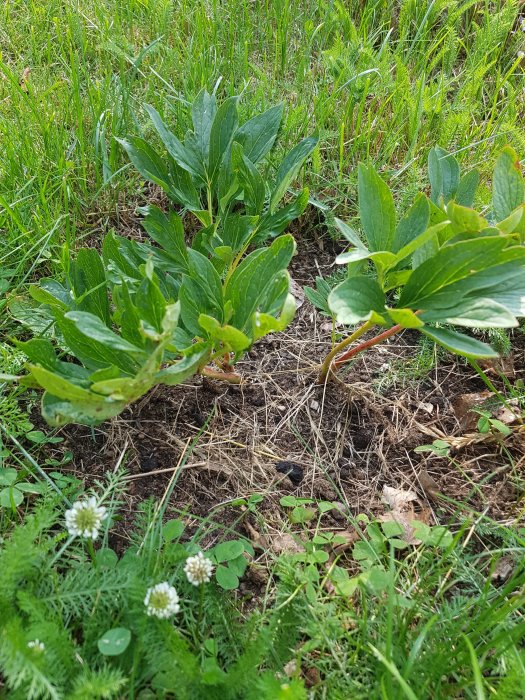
{"x":198,"y":569}
{"x":85,"y":518}
{"x":162,"y":601}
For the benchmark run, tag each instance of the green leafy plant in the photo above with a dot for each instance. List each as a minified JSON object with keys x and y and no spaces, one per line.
{"x":441,"y":264}
{"x":12,"y":488}
{"x":214,"y":173}
{"x":146,"y":314}
{"x":59,"y":605}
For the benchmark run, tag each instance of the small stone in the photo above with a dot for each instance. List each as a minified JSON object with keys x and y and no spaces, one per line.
{"x":292,"y":470}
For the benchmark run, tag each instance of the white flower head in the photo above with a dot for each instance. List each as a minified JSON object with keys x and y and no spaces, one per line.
{"x":36,"y":645}
{"x":198,"y":569}
{"x":521,"y":54}
{"x":162,"y":601}
{"x":85,"y":518}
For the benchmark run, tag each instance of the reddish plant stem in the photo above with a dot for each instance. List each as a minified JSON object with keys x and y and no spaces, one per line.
{"x":367,"y":344}
{"x":230,"y":377}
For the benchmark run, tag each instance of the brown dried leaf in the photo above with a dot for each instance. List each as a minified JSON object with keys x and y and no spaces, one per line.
{"x":403,"y":512}
{"x":285,"y":544}
{"x":428,"y":484}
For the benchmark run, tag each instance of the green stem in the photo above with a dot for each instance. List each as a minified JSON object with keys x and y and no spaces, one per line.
{"x":91,"y":550}
{"x":325,"y":369}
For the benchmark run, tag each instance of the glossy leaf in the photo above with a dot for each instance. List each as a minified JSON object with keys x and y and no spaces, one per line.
{"x":376,"y":210}
{"x":459,"y":343}
{"x":355,"y":300}
{"x":289,"y":169}
{"x":508,"y":185}
{"x":257,"y":135}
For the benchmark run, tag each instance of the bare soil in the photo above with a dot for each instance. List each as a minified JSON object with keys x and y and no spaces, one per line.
{"x":342,"y":441}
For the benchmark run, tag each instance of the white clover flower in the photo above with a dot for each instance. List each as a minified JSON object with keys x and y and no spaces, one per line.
{"x":198,"y":569}
{"x":85,"y":518}
{"x":521,"y":54}
{"x":36,"y":645}
{"x":162,"y":601}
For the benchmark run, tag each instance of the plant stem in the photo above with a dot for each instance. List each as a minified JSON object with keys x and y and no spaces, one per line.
{"x":231,"y":377}
{"x":91,"y":550}
{"x":367,"y":344}
{"x":325,"y":369}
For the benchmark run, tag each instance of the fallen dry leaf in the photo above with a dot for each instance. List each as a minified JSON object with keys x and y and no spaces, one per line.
{"x":465,"y":406}
{"x":403,"y":512}
{"x":397,"y":499}
{"x":428,"y":484}
{"x":285,"y":544}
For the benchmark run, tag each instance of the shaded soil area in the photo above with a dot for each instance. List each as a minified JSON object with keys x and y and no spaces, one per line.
{"x":207,"y":443}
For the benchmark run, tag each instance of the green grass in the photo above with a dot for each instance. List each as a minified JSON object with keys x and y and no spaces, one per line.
{"x":382,"y":82}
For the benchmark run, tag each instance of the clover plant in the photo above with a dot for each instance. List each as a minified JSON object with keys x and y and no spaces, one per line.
{"x":442,"y":264}
{"x":140,"y":314}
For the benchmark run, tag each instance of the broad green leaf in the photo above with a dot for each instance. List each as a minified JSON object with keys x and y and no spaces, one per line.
{"x":203,"y":111}
{"x":508,"y":186}
{"x":413,"y":223}
{"x":381,"y":259}
{"x":51,"y":292}
{"x":376,"y":210}
{"x":289,"y":169}
{"x":181,"y":155}
{"x":264,"y":323}
{"x":226,"y":578}
{"x":58,"y":412}
{"x":349,"y":233}
{"x":258,"y":134}
{"x":11,"y":497}
{"x":450,"y":264}
{"x":179,"y":371}
{"x":147,"y":161}
{"x":114,"y":642}
{"x":459,"y":343}
{"x":62,"y":388}
{"x":150,"y":303}
{"x":274,"y":224}
{"x":221,"y":134}
{"x":443,"y":170}
{"x":225,"y":551}
{"x":467,"y":189}
{"x":92,"y":327}
{"x":474,"y":313}
{"x":236,"y":231}
{"x":249,"y":179}
{"x":95,"y":354}
{"x":201,"y":292}
{"x":463,"y":219}
{"x":513,"y":222}
{"x":127,"y":316}
{"x":88,"y":279}
{"x":499,"y":276}
{"x":167,"y":230}
{"x":8,"y":476}
{"x":421,"y":241}
{"x":232,"y":339}
{"x":355,"y":299}
{"x":405,"y":317}
{"x":260,"y":283}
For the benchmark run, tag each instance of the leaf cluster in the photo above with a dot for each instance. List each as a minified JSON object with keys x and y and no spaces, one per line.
{"x":442,"y":263}
{"x":142,"y":314}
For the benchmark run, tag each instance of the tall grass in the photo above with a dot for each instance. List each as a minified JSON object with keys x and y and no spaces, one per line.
{"x":381,"y":81}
